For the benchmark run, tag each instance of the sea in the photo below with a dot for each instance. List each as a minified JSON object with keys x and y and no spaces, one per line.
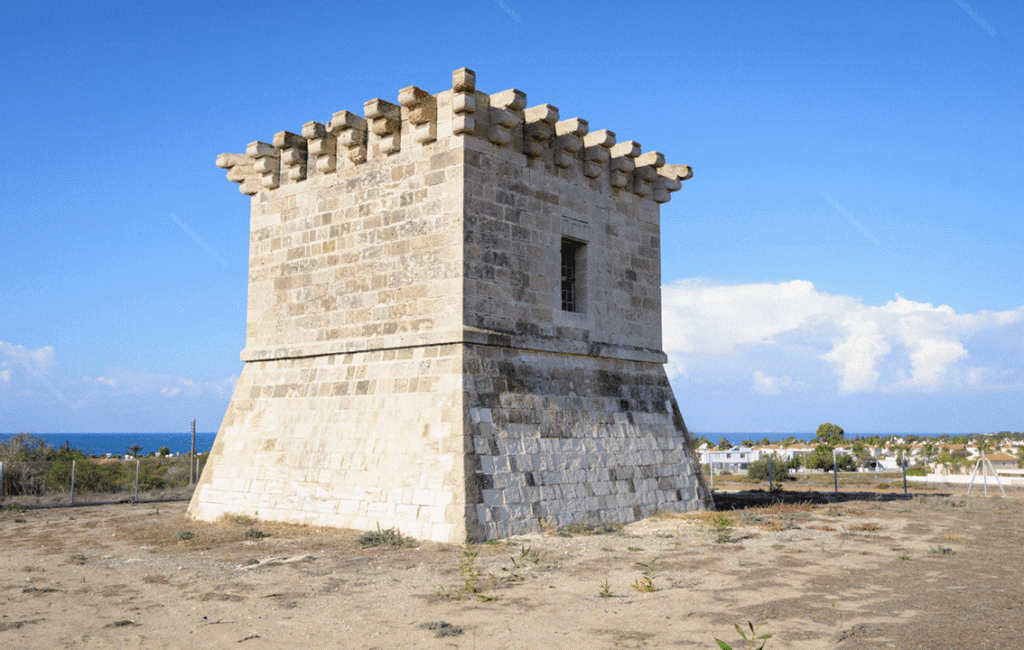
{"x":179,"y":443}
{"x":118,"y":443}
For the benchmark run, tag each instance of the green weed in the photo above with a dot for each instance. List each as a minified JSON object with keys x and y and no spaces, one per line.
{"x":650,"y":571}
{"x":748,"y":642}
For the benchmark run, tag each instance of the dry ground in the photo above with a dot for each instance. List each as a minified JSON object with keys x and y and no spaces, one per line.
{"x":941,"y":571}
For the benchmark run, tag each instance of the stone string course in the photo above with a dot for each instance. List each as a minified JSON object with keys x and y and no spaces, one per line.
{"x":409,"y":362}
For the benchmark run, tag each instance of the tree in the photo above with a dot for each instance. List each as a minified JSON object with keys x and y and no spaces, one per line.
{"x":929,"y":450}
{"x":165,"y":451}
{"x":747,"y":442}
{"x":759,"y":470}
{"x":860,"y":452}
{"x":703,"y":440}
{"x":829,"y":434}
{"x":724,"y":443}
{"x":821,"y":458}
{"x":765,"y":442}
{"x":1020,"y":457}
{"x":134,"y":450}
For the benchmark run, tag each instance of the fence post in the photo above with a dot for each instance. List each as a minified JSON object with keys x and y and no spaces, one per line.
{"x":1,"y":479}
{"x":771,"y":475}
{"x":192,"y":457}
{"x":73,"y":481}
{"x":835,"y":472}
{"x":904,"y":464}
{"x":136,"y":498}
{"x":711,"y":464}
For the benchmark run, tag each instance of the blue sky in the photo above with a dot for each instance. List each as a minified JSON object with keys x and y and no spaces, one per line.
{"x":849,"y":250}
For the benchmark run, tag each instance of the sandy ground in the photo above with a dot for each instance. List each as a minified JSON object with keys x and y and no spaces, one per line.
{"x":936,"y":571}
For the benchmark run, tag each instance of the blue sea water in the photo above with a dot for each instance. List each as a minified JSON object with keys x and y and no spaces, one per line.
{"x":735,"y":438}
{"x":118,"y":443}
{"x":179,"y":443}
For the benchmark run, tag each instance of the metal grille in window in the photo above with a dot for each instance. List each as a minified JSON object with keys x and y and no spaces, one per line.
{"x":569,"y":275}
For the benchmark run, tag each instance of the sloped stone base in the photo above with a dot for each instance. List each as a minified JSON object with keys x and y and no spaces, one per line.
{"x":563,"y":439}
{"x":451,"y":442}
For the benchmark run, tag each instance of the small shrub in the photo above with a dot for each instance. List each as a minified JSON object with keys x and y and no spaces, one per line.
{"x":472,"y":583}
{"x":721,"y":525}
{"x":525,"y":557}
{"x":606,"y":590}
{"x":765,"y":469}
{"x":941,"y":550}
{"x":747,"y":641}
{"x":389,"y":538}
{"x":576,"y":529}
{"x":255,"y":533}
{"x":186,"y":535}
{"x":645,"y":583}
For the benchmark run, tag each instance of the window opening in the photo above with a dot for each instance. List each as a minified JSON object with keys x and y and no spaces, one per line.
{"x":571,"y":289}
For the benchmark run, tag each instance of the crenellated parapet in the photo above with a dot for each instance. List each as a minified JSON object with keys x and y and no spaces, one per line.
{"x":421,"y":119}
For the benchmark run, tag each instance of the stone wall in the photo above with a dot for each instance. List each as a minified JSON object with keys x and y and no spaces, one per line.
{"x":563,"y":439}
{"x":409,"y":359}
{"x":515,"y":217}
{"x":349,"y":440}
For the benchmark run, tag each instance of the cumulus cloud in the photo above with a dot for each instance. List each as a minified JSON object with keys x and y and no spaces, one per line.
{"x":902,"y":345}
{"x":768,"y":385}
{"x":37,"y":362}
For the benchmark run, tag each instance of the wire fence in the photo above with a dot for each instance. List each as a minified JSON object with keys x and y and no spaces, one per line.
{"x":77,"y":480}
{"x":775,"y":474}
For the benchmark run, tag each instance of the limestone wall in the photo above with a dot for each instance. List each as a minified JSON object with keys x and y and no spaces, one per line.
{"x":515,"y":217}
{"x":409,"y":359}
{"x":352,"y":440}
{"x":366,"y":257}
{"x":565,"y":439}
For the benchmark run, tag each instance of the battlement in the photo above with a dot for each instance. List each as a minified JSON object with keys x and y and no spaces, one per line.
{"x":566,"y":147}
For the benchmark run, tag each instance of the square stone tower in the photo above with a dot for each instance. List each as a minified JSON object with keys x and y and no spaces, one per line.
{"x":454,"y":325}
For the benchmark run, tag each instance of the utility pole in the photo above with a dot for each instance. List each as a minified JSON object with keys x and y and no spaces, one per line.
{"x":192,"y":456}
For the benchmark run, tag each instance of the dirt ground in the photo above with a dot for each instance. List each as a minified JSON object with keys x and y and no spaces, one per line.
{"x":937,"y":571}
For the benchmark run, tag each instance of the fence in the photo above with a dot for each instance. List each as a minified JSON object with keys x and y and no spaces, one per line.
{"x":77,"y":480}
{"x":859,"y":479}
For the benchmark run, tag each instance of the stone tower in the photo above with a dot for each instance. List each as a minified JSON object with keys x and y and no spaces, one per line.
{"x":454,"y":325}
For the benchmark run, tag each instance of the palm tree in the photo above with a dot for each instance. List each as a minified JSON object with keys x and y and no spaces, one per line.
{"x":134,"y":450}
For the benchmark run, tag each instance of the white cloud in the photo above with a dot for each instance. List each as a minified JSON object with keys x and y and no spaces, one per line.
{"x":902,"y":345}
{"x":38,"y":362}
{"x":767,"y":385}
{"x":6,"y":374}
{"x":143,"y":383}
{"x":101,"y":381}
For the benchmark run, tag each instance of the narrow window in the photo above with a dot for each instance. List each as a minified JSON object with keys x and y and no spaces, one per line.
{"x":572,"y":270}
